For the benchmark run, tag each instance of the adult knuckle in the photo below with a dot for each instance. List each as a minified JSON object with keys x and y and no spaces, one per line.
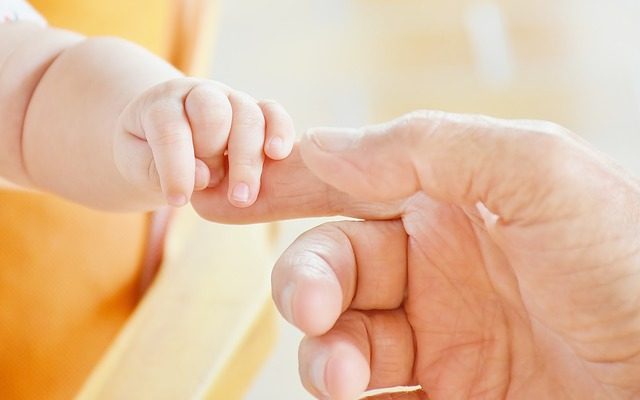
{"x":414,"y":127}
{"x":549,"y":129}
{"x":552,"y":148}
{"x":423,"y":119}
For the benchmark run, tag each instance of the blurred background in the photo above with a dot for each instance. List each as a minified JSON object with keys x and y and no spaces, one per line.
{"x":355,"y":62}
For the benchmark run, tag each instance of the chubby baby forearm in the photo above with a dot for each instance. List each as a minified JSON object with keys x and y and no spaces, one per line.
{"x":26,"y":52}
{"x":105,"y":123}
{"x":69,"y":126}
{"x":60,"y":99}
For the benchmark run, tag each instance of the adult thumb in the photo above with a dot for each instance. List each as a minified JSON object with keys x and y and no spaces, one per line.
{"x":458,"y":159}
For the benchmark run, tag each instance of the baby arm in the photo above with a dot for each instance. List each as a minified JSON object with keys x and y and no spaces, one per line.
{"x":105,"y":123}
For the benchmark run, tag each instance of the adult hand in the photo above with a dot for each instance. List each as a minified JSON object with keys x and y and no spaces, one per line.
{"x":500,"y":259}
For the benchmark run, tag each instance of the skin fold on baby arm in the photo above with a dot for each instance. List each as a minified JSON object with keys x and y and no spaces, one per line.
{"x":103,"y":122}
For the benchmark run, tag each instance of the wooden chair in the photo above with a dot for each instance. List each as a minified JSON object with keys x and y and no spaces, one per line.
{"x":205,"y":325}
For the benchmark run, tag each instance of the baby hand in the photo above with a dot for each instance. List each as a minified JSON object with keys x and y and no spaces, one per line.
{"x":173,"y":139}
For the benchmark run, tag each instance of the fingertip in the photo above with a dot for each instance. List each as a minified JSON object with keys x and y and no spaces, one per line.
{"x":332,"y":368}
{"x":311,"y":304}
{"x":177,"y":200}
{"x":276,"y":149}
{"x":179,"y":194}
{"x":245,"y":151}
{"x":316,"y":305}
{"x":347,"y":374}
{"x":279,"y":130}
{"x":286,"y":301}
{"x":241,"y":195}
{"x":202,"y":176}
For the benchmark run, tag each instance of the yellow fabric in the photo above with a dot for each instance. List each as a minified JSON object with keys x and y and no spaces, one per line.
{"x":68,"y":282}
{"x":68,"y":275}
{"x":146,"y":22}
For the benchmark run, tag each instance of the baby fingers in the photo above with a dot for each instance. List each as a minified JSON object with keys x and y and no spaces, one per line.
{"x":169,"y":136}
{"x":246,"y":156}
{"x":210,"y":115}
{"x":177,"y":134}
{"x":279,"y":133}
{"x":155,"y":150}
{"x":227,"y":120}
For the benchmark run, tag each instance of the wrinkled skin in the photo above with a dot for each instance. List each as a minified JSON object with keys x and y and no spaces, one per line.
{"x":496,"y":259}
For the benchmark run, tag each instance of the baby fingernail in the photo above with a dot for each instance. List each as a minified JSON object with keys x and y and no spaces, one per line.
{"x":334,"y":139}
{"x":286,"y":302}
{"x":241,"y":193}
{"x":317,"y":373}
{"x":276,"y":145}
{"x":177,"y":200}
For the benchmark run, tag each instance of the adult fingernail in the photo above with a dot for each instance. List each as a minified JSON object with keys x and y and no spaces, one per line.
{"x":177,"y":200}
{"x":334,"y":139}
{"x":241,"y":193}
{"x":317,"y":373}
{"x":286,"y":302}
{"x":276,"y":146}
